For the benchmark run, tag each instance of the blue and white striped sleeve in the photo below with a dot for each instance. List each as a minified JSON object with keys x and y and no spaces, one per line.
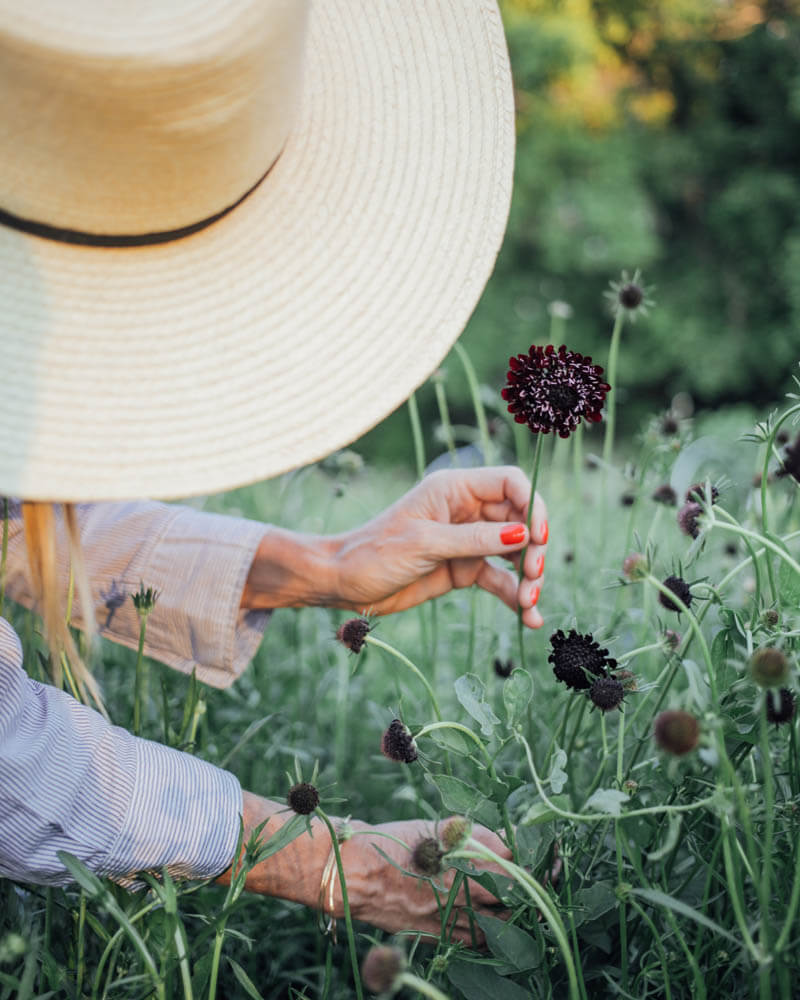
{"x":71,"y":781}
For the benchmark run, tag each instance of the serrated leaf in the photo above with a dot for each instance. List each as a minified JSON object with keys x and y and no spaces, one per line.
{"x":517,"y":693}
{"x":470,"y":692}
{"x":510,"y":943}
{"x":608,"y":801}
{"x":558,"y":776}
{"x":481,"y":982}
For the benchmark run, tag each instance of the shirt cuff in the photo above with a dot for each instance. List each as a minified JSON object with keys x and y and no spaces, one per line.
{"x":184,"y":816}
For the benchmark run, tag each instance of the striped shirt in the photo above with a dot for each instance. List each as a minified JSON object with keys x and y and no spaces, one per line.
{"x":71,"y":781}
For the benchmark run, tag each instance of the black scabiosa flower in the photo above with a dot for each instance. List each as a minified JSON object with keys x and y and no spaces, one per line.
{"x":689,"y":518}
{"x":676,"y":731}
{"x":398,"y":743}
{"x":680,"y":588}
{"x":769,"y":667}
{"x":551,"y":390}
{"x":353,"y":633}
{"x":791,"y":461}
{"x":382,"y":968}
{"x":607,"y":693}
{"x":303,"y":798}
{"x":665,"y":494}
{"x":503,"y":668}
{"x":577,"y":659}
{"x":426,"y":858}
{"x":627,"y":499}
{"x":780,"y":706}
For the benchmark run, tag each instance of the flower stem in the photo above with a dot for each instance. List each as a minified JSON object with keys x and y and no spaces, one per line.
{"x":348,"y":920}
{"x":416,"y":434}
{"x":3,"y":556}
{"x":141,"y":679}
{"x":411,"y":666}
{"x":477,"y":403}
{"x":521,"y":572}
{"x":611,"y":378}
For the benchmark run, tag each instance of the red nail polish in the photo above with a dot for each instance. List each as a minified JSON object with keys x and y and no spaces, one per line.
{"x":539,"y":569}
{"x":513,"y":535}
{"x":545,"y":533}
{"x":535,"y":595}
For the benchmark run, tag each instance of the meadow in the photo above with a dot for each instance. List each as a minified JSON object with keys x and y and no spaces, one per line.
{"x":654,"y":817}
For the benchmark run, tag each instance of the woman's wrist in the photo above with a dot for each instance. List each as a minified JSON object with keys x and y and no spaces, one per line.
{"x":292,"y":570}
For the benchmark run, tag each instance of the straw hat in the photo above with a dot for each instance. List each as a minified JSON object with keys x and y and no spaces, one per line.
{"x":234,"y":234}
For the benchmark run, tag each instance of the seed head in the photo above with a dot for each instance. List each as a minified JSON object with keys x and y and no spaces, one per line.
{"x":353,"y":633}
{"x":578,"y":659}
{"x":552,"y":390}
{"x":629,"y":296}
{"x":627,"y":679}
{"x":697,"y":494}
{"x":665,"y":494}
{"x":770,"y":617}
{"x":607,"y":693}
{"x":427,"y":856}
{"x":677,"y":732}
{"x":503,"y":669}
{"x":680,"y":588}
{"x":780,"y":706}
{"x":689,"y":518}
{"x":791,"y":461}
{"x":398,"y":743}
{"x":769,"y":667}
{"x":303,"y":798}
{"x":635,"y":566}
{"x":455,"y":832}
{"x":382,"y":968}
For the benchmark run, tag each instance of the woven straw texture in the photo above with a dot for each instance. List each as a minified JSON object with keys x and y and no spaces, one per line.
{"x":297,"y":322}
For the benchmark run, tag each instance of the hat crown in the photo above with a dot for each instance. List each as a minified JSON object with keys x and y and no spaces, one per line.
{"x":132,"y":119}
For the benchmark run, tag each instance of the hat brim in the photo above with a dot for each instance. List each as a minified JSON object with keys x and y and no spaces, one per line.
{"x":298,"y":321}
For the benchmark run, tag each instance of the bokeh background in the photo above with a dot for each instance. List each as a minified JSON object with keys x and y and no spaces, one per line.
{"x":662,"y":135}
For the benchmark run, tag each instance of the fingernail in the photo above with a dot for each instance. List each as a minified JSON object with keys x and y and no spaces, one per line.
{"x":539,"y":568}
{"x":545,"y":533}
{"x":535,"y":591}
{"x":513,"y":534}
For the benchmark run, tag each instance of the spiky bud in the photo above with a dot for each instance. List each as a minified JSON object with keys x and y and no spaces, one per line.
{"x":769,"y":667}
{"x":303,"y":798}
{"x":426,"y":857}
{"x":455,"y":832}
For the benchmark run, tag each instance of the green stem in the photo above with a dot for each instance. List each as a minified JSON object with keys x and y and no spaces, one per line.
{"x":348,"y":920}
{"x":444,"y":416}
{"x":422,"y":986}
{"x":623,"y":921}
{"x":745,"y":533}
{"x":416,"y":433}
{"x":141,"y":679}
{"x":477,"y":403}
{"x":411,"y":666}
{"x":611,"y":378}
{"x":769,"y":829}
{"x":521,"y":573}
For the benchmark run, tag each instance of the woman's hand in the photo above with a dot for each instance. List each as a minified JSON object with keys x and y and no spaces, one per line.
{"x":378,"y":893}
{"x":436,"y":538}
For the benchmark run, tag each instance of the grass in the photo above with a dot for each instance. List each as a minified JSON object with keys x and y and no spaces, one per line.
{"x":676,"y":876}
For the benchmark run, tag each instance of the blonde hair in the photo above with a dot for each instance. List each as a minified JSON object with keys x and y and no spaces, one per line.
{"x":40,"y":523}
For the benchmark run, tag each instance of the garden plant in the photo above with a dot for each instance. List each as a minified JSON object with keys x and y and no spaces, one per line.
{"x":639,"y":753}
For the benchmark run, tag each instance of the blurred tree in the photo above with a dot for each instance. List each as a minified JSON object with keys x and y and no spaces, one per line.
{"x":663,"y":135}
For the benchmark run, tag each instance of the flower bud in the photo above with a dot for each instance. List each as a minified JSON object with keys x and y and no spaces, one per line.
{"x":769,"y":667}
{"x":677,"y":732}
{"x":382,"y":968}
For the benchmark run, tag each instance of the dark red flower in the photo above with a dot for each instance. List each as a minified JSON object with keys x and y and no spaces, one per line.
{"x":607,"y":693}
{"x":680,"y":588}
{"x":577,"y":659}
{"x":551,"y":390}
{"x":689,"y":518}
{"x":398,"y":744}
{"x":781,"y":706}
{"x":677,"y":732}
{"x":303,"y":798}
{"x":791,"y":461}
{"x":353,"y":633}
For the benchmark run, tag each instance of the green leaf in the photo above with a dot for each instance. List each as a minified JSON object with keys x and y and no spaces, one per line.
{"x":470,"y":692}
{"x":459,"y":797}
{"x":558,"y":776}
{"x":608,"y":801}
{"x":244,"y":980}
{"x":481,"y":982}
{"x":452,"y":740}
{"x":517,"y":692}
{"x":540,"y":812}
{"x":283,"y":836}
{"x":658,"y":898}
{"x":510,"y":943}
{"x":671,"y":839}
{"x":698,"y":687}
{"x":788,"y":585}
{"x":86,"y":880}
{"x":594,"y":901}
